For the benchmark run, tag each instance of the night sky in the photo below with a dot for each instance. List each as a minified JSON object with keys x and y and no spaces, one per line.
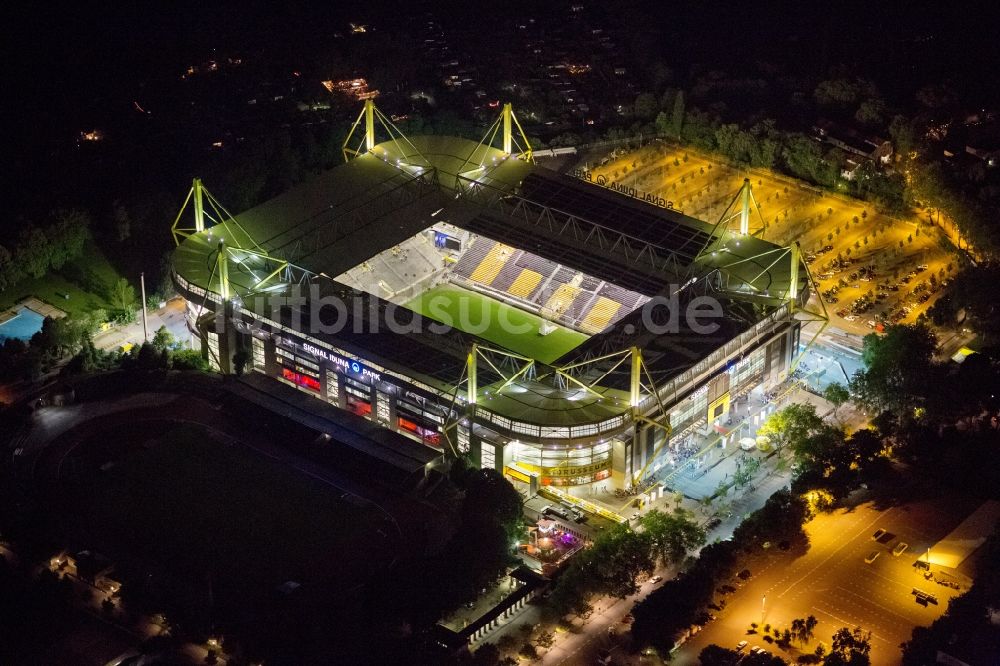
{"x":83,"y":66}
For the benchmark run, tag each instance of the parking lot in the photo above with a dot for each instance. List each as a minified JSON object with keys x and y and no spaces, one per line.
{"x":868,"y":260}
{"x":840,"y":582}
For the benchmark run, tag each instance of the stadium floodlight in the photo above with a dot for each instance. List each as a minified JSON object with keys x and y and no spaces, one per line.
{"x":407,"y":154}
{"x":215,"y":213}
{"x":504,"y":126}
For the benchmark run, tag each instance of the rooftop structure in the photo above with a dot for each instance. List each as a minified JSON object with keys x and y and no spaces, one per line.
{"x":413,"y":232}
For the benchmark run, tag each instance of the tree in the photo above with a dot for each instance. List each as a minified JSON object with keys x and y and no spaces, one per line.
{"x":645,"y":106}
{"x":803,"y":158}
{"x":725,"y":136}
{"x":34,"y":253}
{"x":122,"y":297}
{"x":809,"y":628}
{"x":241,"y":357}
{"x":7,"y":276}
{"x":121,"y":220}
{"x":837,"y":394}
{"x":742,"y":476}
{"x":839,"y":93}
{"x":803,"y":629}
{"x":528,"y":651}
{"x":507,"y":643}
{"x":146,"y":358}
{"x":669,"y":610}
{"x":973,"y":292}
{"x":871,"y":111}
{"x":897,"y":370}
{"x":88,"y":358}
{"x":677,"y":117}
{"x":673,"y":534}
{"x":67,"y":235}
{"x":489,"y":497}
{"x":163,"y":339}
{"x":902,"y":134}
{"x":714,"y":655}
{"x":486,"y":654}
{"x":663,"y":124}
{"x":780,"y":519}
{"x":611,"y":567}
{"x":849,"y":648}
{"x":188,"y":359}
{"x":764,"y":153}
{"x":791,"y":426}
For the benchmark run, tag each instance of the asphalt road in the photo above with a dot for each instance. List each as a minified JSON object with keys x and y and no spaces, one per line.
{"x":171,"y":316}
{"x":833,"y":582}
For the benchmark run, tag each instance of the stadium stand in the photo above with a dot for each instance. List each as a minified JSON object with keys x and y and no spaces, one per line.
{"x":561,"y":298}
{"x":628,"y":299}
{"x":543,"y":267}
{"x":569,"y":297}
{"x":572,"y":298}
{"x":575,"y":311}
{"x":601,"y":314}
{"x":507,"y":275}
{"x":525,"y":283}
{"x":473,"y":256}
{"x":492,"y":264}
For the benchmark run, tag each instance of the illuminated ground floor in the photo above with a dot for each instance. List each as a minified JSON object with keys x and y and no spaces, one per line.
{"x":615,"y":453}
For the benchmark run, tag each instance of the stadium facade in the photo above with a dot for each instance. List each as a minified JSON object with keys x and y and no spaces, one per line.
{"x":570,"y":357}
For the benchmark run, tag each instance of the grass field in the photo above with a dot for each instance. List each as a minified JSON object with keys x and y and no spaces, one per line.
{"x":501,"y":324}
{"x":182,"y":498}
{"x":85,"y":280}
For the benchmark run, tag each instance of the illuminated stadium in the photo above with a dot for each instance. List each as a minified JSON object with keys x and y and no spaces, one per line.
{"x":568,"y":357}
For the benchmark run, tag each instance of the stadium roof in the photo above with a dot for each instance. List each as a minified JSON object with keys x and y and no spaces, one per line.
{"x":348,"y":214}
{"x":663,"y":227}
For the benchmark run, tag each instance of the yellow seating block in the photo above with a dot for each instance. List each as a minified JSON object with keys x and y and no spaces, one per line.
{"x":492,"y":264}
{"x":525,"y":283}
{"x":562,"y":298}
{"x":602,"y":313}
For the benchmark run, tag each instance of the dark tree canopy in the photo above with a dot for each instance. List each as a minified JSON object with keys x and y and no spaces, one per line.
{"x":490,"y":498}
{"x":898,"y":369}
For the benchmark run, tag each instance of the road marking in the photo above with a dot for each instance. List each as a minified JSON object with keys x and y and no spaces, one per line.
{"x":848,"y":623}
{"x":906,"y":621}
{"x":844,"y":349}
{"x":830,"y":556}
{"x":895,"y":582}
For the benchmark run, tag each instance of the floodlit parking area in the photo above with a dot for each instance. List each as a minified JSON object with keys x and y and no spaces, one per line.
{"x":872,"y":269}
{"x":854,"y":574}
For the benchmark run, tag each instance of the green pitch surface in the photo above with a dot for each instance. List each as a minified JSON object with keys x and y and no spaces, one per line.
{"x":490,"y":319}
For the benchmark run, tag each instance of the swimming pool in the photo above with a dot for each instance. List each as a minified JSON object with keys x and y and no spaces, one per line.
{"x":22,"y":326}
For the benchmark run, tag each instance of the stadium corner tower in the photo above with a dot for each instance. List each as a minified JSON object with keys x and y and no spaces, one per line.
{"x":568,"y":358}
